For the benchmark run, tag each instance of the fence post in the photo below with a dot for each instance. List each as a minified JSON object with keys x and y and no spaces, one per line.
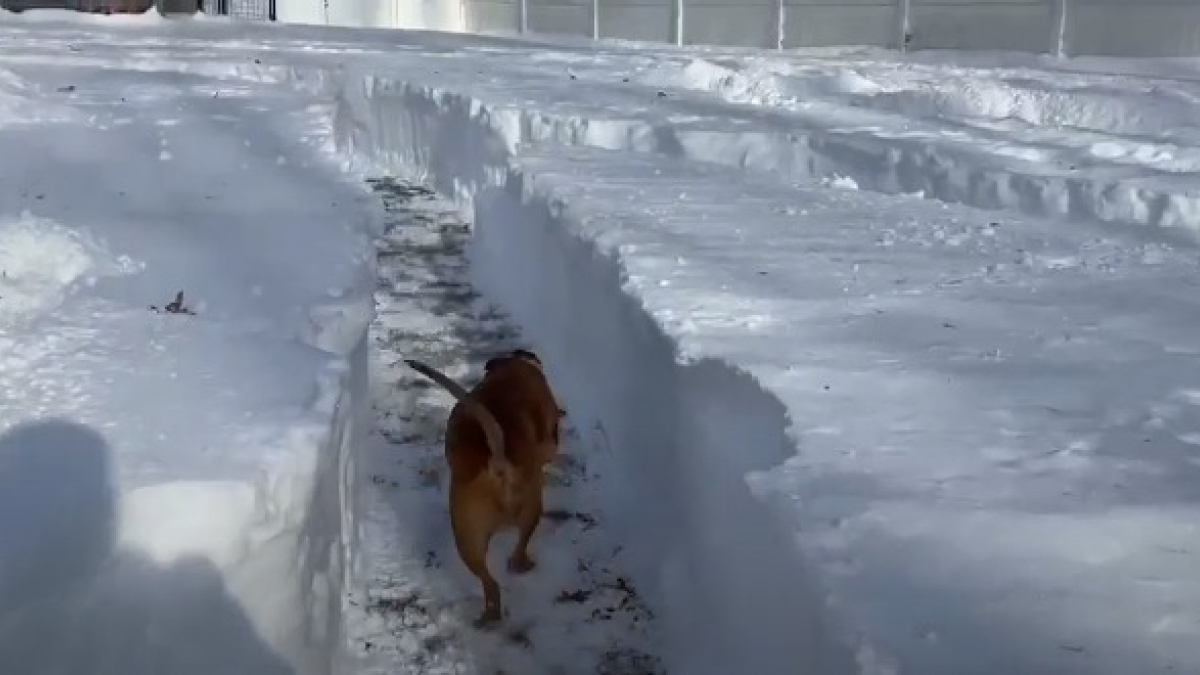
{"x":595,"y":19}
{"x":523,"y":16}
{"x":676,"y":32}
{"x":904,"y":34}
{"x":780,"y":22}
{"x":1058,"y":39}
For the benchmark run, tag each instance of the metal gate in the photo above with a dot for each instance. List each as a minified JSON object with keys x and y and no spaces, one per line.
{"x":255,"y":10}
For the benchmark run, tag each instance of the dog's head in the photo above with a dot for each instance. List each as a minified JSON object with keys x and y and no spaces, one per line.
{"x":515,"y":355}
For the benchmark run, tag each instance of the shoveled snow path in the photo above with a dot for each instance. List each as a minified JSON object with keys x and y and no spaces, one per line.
{"x":413,"y":603}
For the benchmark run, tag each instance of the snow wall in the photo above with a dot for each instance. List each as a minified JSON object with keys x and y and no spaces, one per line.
{"x":1071,"y":27}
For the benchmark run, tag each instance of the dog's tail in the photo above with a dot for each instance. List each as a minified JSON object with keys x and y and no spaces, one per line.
{"x":491,"y":428}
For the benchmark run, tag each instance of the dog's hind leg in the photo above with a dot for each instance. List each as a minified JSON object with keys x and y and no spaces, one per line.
{"x":528,"y":520}
{"x":472,"y":534}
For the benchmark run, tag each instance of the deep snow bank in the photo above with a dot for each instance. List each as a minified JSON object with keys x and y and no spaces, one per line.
{"x":1032,"y":136}
{"x":174,"y":489}
{"x":723,"y":571}
{"x":162,"y":513}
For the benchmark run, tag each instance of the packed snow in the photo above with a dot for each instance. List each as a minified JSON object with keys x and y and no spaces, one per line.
{"x":875,"y":363}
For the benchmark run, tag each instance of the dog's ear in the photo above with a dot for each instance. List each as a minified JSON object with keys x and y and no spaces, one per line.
{"x":526,"y":354}
{"x":492,"y":363}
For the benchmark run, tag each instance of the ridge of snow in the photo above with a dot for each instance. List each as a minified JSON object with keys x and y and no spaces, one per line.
{"x":902,"y":143}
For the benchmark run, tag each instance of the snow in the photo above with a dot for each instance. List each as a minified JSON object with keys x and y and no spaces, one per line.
{"x":727,"y":285}
{"x":875,"y":363}
{"x":166,"y":478}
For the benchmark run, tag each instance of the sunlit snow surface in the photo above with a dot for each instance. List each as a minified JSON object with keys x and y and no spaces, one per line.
{"x":896,"y":357}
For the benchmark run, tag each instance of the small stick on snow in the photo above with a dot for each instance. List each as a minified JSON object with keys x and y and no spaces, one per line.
{"x":174,"y":307}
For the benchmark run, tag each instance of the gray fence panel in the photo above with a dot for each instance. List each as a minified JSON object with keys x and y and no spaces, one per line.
{"x":566,"y":17}
{"x":1076,"y":27}
{"x":1143,"y":28}
{"x":828,"y":23}
{"x":748,"y":23}
{"x":1022,"y":25}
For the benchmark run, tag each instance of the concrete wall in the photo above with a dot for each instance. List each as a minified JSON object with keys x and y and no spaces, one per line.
{"x":1112,"y":27}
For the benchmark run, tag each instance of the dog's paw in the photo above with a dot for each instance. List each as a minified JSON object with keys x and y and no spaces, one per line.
{"x":489,"y":619}
{"x":520,"y":564}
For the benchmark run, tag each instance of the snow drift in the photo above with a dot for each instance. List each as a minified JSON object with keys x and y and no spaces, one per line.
{"x":174,"y":487}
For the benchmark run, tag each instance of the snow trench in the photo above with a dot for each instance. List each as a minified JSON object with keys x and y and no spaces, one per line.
{"x":810,"y":150}
{"x":721,"y":571}
{"x":716,"y":115}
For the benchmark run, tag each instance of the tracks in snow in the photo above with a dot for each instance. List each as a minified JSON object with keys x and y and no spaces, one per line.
{"x":412,"y":603}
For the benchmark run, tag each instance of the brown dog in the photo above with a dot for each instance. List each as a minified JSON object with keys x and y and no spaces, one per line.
{"x":499,"y":438}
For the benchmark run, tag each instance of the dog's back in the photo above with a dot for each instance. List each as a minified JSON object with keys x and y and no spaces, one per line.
{"x":517,"y":393}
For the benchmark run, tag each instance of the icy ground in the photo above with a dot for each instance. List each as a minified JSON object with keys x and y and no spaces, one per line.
{"x":895,"y":357}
